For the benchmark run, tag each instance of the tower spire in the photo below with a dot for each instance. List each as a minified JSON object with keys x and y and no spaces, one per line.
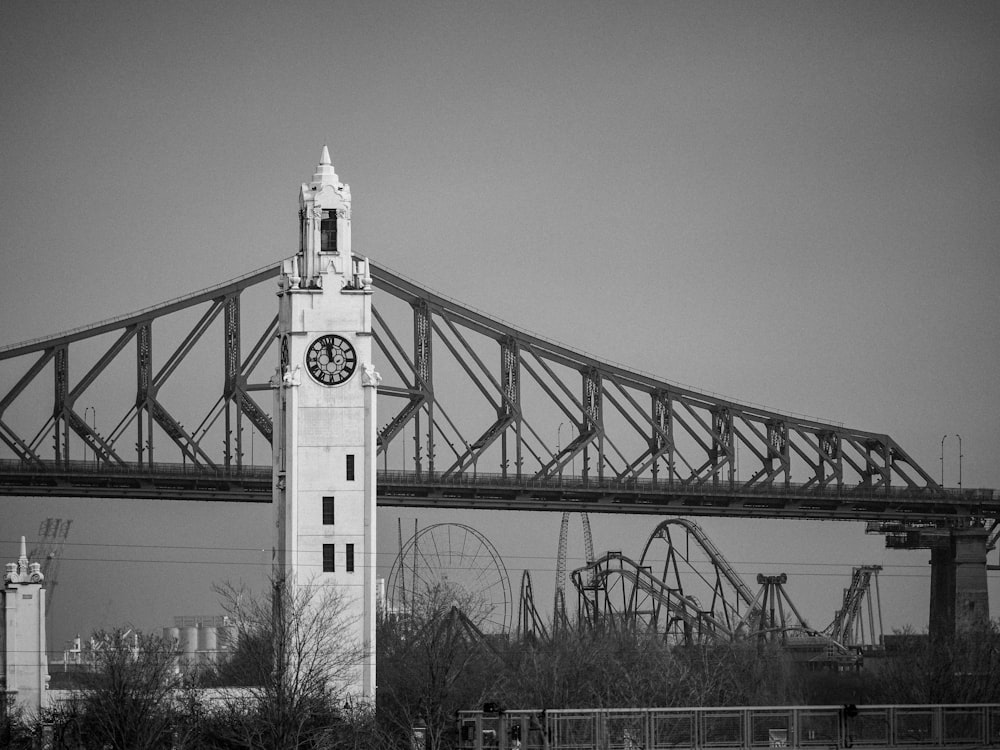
{"x":325,"y":174}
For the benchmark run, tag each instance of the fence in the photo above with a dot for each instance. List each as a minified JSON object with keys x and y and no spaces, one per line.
{"x":916,"y":727}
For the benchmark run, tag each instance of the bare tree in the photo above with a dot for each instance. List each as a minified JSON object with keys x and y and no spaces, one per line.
{"x":126,"y":698}
{"x":621,"y":669}
{"x":433,"y":661}
{"x":292,"y":662}
{"x":16,"y":726}
{"x":960,"y":668}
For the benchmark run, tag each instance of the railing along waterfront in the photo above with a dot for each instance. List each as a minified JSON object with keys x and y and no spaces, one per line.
{"x":744,"y":728}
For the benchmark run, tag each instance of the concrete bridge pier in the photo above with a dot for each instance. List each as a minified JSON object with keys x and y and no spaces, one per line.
{"x":959,"y":596}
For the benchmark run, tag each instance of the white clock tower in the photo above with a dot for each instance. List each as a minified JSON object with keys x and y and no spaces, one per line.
{"x":324,"y":449}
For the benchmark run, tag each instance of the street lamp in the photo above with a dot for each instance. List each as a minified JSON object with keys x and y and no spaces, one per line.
{"x":960,"y":456}
{"x":959,"y":460}
{"x":93,"y":426}
{"x":559,"y":444}
{"x":942,"y":459}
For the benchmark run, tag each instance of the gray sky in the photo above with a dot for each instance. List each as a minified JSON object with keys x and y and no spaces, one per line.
{"x":793,"y":204}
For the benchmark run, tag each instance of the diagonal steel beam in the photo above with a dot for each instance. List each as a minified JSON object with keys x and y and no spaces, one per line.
{"x":184,"y":348}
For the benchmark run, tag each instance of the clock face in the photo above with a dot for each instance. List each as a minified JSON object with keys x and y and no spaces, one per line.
{"x":331,"y":359}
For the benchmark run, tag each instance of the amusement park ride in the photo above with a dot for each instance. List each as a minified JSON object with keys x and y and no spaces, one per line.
{"x":682,"y":590}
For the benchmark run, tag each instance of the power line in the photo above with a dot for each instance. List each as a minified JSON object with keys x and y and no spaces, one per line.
{"x":359,"y":566}
{"x":383,"y":554}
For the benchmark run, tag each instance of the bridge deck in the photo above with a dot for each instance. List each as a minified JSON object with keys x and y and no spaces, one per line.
{"x":495,"y":491}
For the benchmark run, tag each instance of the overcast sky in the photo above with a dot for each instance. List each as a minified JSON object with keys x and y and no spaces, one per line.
{"x":794,"y":204}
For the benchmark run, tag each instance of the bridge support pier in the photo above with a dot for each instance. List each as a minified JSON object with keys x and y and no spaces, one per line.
{"x":959,"y":596}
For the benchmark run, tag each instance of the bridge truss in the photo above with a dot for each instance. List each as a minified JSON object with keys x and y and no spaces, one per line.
{"x":471,"y":410}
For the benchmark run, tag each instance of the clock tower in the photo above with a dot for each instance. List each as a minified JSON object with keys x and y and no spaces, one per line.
{"x":324,"y":392}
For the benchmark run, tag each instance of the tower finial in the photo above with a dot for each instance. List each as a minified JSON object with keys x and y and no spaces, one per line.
{"x":22,"y":561}
{"x":325,"y":174}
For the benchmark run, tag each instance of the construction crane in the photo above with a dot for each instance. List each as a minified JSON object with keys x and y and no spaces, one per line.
{"x":48,"y":552}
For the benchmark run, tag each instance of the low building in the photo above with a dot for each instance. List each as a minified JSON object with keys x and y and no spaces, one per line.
{"x":25,"y":671}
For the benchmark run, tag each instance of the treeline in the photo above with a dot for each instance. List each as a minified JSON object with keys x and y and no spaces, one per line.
{"x":427,"y":679}
{"x":290,"y":651}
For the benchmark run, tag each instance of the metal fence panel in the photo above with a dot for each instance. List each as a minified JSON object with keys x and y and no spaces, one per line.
{"x":770,"y":728}
{"x":525,"y":730}
{"x":962,"y":726}
{"x":575,"y":731}
{"x":872,"y":726}
{"x":818,"y":727}
{"x":993,"y":729}
{"x":914,"y":726}
{"x":625,"y":731}
{"x":721,"y":728}
{"x":673,"y":731}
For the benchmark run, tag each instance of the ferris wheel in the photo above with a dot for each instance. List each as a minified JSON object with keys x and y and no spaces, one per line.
{"x":450,"y":564}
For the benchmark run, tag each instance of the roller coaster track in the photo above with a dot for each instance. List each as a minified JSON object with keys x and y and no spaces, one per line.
{"x":729,"y":609}
{"x":559,"y":617}
{"x":641,"y":598}
{"x":530,"y":624}
{"x":642,"y":606}
{"x":616,"y":592}
{"x":848,"y":625}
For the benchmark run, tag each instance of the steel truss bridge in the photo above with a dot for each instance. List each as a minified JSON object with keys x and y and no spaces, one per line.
{"x":472,"y":413}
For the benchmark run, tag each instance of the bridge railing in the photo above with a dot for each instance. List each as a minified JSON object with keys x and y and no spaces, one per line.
{"x":888,"y":726}
{"x":11,"y":467}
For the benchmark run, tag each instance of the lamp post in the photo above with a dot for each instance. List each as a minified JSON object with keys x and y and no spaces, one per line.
{"x":93,"y":426}
{"x":959,"y":460}
{"x":960,"y":456}
{"x":559,"y":444}
{"x":942,"y":459}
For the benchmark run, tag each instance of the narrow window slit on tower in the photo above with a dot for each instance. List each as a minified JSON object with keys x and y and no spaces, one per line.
{"x":328,"y":511}
{"x":328,"y":558}
{"x":328,"y":231}
{"x":350,"y":467}
{"x":349,"y":562}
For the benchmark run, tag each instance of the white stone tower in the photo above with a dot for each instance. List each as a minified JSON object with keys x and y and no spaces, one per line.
{"x":325,"y":395}
{"x":25,"y":663}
